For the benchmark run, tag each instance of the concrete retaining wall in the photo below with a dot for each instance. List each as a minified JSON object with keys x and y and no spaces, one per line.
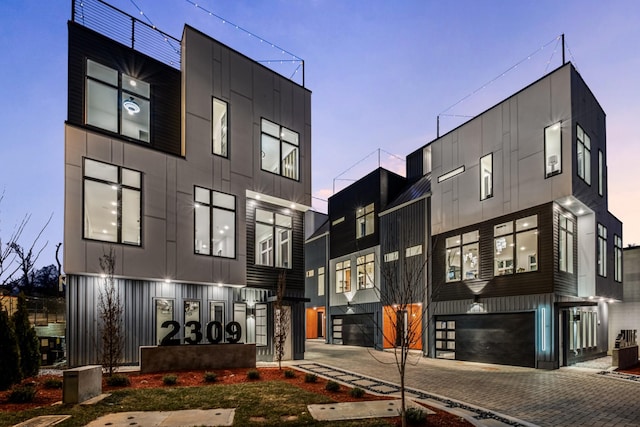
{"x":201,"y":356}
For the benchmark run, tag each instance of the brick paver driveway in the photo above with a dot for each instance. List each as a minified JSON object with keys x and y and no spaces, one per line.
{"x":564,"y":397}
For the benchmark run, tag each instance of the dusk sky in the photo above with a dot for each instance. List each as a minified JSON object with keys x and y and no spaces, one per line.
{"x":380,"y":73}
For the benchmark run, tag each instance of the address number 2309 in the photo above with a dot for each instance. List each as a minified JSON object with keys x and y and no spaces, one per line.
{"x":213,"y":332}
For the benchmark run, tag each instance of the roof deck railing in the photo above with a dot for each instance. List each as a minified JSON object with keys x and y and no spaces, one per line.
{"x":128,"y":30}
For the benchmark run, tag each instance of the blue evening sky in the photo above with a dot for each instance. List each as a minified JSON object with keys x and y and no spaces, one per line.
{"x":380,"y":73}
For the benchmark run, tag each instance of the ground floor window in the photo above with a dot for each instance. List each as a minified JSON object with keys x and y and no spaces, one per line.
{"x":446,"y":339}
{"x":164,"y":313}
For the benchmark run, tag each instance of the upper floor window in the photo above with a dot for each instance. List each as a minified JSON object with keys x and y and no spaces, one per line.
{"x":112,"y":203}
{"x":343,"y":277}
{"x":566,"y":243}
{"x":219,"y":126}
{"x":516,"y":246}
{"x":602,"y":250}
{"x":486,"y":176}
{"x":583,"y":153}
{"x":413,"y":251}
{"x":117,"y":102}
{"x":617,"y":243}
{"x":462,"y":256}
{"x":426,"y":160}
{"x":215,"y":223}
{"x":320,"y":281}
{"x":365,"y":221}
{"x":279,"y":150}
{"x":273,"y":239}
{"x":391,"y":256}
{"x":366,"y":271}
{"x":553,"y":150}
{"x":600,"y":173}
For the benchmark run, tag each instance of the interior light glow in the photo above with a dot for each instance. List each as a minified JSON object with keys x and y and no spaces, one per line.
{"x":131,"y":106}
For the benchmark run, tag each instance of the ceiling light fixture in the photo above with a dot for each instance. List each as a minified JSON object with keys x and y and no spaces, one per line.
{"x":131,"y":106}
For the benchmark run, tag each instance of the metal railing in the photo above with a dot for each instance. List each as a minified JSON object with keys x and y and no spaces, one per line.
{"x":128,"y":30}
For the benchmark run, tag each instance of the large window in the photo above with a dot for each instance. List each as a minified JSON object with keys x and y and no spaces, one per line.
{"x":219,"y":126}
{"x":273,"y":239}
{"x":617,"y":255}
{"x":486,"y":176}
{"x":583,"y":153}
{"x":164,"y":313}
{"x":602,"y":250}
{"x":215,"y":223}
{"x":261,"y":325}
{"x":366,"y":271}
{"x":117,"y":102}
{"x":111,"y":203}
{"x":565,"y":247}
{"x":553,"y":150}
{"x":280,"y":150}
{"x":365,"y":221}
{"x":462,"y":256}
{"x":516,"y":246}
{"x":343,"y":277}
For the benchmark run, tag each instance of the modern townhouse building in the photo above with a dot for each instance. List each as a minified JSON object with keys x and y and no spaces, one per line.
{"x":523,"y":256}
{"x":192,"y":163}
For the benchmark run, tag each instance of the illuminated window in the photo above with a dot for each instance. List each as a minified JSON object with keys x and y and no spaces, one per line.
{"x":273,"y":239}
{"x":565,"y":245}
{"x":219,"y":127}
{"x":117,"y":102}
{"x":486,"y":177}
{"x":343,"y":277}
{"x":320,"y":281}
{"x":516,"y":246}
{"x":112,"y":203}
{"x":366,"y":271}
{"x":280,"y":150}
{"x":462,"y":260}
{"x":365,"y":218}
{"x":617,"y":242}
{"x":215,"y":223}
{"x":602,"y":250}
{"x":553,"y":150}
{"x":583,"y":153}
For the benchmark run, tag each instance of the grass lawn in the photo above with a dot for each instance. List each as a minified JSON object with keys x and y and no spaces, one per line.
{"x":268,"y":402}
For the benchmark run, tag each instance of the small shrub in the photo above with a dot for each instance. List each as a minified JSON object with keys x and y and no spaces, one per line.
{"x":289,"y":373}
{"x":310,"y":378}
{"x":253,"y":374}
{"x":416,"y":416}
{"x":118,"y":380}
{"x":52,"y":383}
{"x":332,"y":386}
{"x":210,"y":377}
{"x":22,"y":394}
{"x":170,"y":379}
{"x":356,"y":392}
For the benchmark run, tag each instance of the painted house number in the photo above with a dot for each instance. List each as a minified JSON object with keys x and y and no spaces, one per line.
{"x":213,"y":332}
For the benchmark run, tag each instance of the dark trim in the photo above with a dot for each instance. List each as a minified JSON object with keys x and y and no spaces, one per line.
{"x":211,"y":206}
{"x":480,"y":168}
{"x":281,"y":141}
{"x":544,"y":138}
{"x":440,"y":179}
{"x":119,"y":201}
{"x":583,"y":160}
{"x":228,"y":156}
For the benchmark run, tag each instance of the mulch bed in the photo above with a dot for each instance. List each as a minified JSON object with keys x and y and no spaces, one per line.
{"x":46,"y":397}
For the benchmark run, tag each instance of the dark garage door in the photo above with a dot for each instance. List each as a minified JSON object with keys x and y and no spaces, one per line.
{"x":503,"y":338}
{"x":354,"y":329}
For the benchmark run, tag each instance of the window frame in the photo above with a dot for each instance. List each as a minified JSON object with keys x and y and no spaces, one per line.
{"x":600,"y":173}
{"x":276,"y":244}
{"x":119,"y":202}
{"x":365,"y":216}
{"x":281,"y":143}
{"x":512,"y":268}
{"x":486,"y":193}
{"x":460,"y":241}
{"x":601,"y":251}
{"x":344,"y":267}
{"x":320,"y":280}
{"x":547,"y":150}
{"x":566,"y":246}
{"x":224,"y":144}
{"x":211,"y":207}
{"x":583,"y":166}
{"x":362,"y":264}
{"x":617,"y":258}
{"x":121,"y":93}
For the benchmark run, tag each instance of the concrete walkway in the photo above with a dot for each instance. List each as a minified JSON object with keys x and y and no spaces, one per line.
{"x":575,"y":396}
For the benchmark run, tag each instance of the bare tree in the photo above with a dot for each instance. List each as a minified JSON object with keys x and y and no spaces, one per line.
{"x":15,"y":257}
{"x":282,"y":320}
{"x":110,"y":309}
